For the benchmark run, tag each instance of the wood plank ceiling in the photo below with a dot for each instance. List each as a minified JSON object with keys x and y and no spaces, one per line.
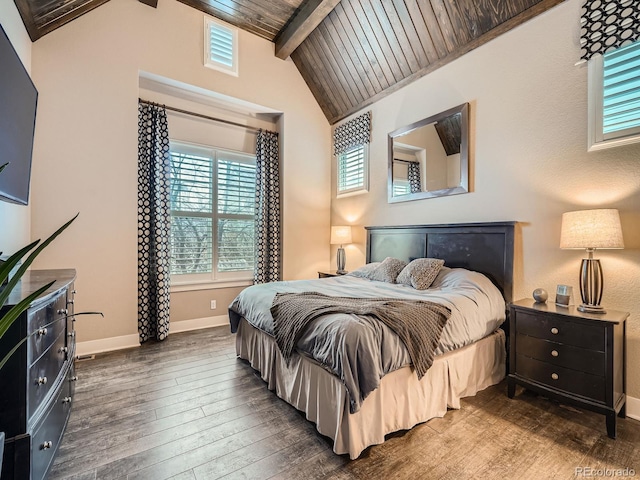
{"x":350,"y":52}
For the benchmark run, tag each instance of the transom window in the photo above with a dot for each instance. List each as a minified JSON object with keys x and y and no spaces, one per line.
{"x":614,"y":97}
{"x":353,"y":171}
{"x":220,"y":46}
{"x":212,"y":213}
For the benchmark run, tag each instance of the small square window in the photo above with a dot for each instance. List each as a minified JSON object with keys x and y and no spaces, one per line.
{"x":614,"y":98}
{"x":353,"y":171}
{"x":220,"y":46}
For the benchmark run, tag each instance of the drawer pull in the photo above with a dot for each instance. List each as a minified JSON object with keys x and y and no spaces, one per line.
{"x":66,"y":400}
{"x":74,"y":378}
{"x":41,"y":380}
{"x":71,"y":302}
{"x":554,"y":353}
{"x":554,"y":330}
{"x":62,"y":311}
{"x":74,"y":291}
{"x":42,"y":331}
{"x":64,"y":349}
{"x":554,"y":376}
{"x":71,"y":334}
{"x":46,"y":445}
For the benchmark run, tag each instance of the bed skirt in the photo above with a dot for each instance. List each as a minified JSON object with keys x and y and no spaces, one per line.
{"x":399,"y":403}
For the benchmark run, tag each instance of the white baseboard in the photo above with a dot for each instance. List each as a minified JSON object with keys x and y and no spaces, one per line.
{"x":107,"y":344}
{"x":633,"y":407}
{"x":198,"y":323}
{"x":128,"y":341}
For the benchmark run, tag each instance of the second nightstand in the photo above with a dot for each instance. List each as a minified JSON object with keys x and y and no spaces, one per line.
{"x":569,"y":356}
{"x":332,"y":273}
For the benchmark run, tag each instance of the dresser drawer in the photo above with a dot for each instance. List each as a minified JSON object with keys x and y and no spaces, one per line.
{"x":559,"y":330}
{"x":42,"y":375}
{"x":47,"y":324}
{"x":48,"y":432}
{"x":575,"y":358}
{"x":42,"y":315}
{"x":561,"y":378}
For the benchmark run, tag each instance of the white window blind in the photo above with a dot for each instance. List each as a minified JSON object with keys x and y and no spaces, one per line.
{"x":352,"y":170}
{"x":614,"y":98}
{"x":621,"y":97}
{"x":212,"y":213}
{"x":221,"y":47}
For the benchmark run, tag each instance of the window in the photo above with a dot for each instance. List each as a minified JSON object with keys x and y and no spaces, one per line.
{"x":220,"y":47}
{"x":212,"y":214}
{"x":614,"y":98}
{"x":353,"y":176}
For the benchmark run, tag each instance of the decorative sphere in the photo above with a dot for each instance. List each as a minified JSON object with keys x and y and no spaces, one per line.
{"x":540,"y":295}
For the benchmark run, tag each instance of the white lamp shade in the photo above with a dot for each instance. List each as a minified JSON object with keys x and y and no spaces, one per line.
{"x":591,"y":229}
{"x":340,"y":235}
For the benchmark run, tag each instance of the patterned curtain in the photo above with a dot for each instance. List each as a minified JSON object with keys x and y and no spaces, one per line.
{"x":153,"y":223}
{"x":607,"y":25}
{"x":268,"y":242}
{"x":351,"y":134}
{"x":413,"y":169}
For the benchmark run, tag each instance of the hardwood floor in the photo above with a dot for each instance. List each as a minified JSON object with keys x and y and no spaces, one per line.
{"x":186,"y":408}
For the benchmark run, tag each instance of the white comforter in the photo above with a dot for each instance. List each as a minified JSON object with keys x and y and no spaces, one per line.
{"x":477,"y":306}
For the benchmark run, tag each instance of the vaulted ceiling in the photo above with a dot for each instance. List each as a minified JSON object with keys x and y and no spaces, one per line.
{"x":350,"y":52}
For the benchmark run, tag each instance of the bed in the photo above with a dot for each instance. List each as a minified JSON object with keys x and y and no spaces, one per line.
{"x":400,"y":400}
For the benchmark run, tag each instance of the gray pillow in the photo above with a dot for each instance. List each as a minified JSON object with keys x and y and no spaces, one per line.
{"x":388,"y":270}
{"x":365,"y":271}
{"x":420,"y":273}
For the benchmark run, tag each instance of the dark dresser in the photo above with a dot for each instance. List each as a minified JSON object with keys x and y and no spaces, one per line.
{"x":37,"y":384}
{"x":570,"y":356}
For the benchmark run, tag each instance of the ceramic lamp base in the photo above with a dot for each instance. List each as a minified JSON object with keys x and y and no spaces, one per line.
{"x":591,"y":283}
{"x":591,"y":309}
{"x":341,"y":260}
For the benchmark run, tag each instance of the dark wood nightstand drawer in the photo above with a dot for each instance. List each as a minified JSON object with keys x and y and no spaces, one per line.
{"x":575,"y":358}
{"x":571,"y":381}
{"x":557,"y":329}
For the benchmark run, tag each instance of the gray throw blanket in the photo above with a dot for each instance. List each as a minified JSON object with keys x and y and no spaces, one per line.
{"x":418,"y":323}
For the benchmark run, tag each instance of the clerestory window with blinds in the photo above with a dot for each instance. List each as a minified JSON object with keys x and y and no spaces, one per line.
{"x":614,"y":100}
{"x":212,"y":214}
{"x":220,"y":46}
{"x":352,"y":170}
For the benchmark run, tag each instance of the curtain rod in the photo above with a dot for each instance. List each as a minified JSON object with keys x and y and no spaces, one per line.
{"x":199,"y":115}
{"x":405,"y":161}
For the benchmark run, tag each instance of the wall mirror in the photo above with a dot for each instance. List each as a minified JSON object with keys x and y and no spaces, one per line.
{"x":430,"y":158}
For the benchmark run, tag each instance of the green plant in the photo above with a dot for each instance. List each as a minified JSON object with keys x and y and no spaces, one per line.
{"x":33,"y":250}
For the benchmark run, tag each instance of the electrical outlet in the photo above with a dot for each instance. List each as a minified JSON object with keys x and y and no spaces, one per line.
{"x":213,"y":304}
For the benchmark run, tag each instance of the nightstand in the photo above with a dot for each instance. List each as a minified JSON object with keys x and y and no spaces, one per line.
{"x":569,"y":356}
{"x":332,"y":273}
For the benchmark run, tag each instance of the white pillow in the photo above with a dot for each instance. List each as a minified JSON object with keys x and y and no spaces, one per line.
{"x":364,"y":271}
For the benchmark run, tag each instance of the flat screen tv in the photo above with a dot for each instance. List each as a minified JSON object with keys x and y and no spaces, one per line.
{"x":18,"y":100}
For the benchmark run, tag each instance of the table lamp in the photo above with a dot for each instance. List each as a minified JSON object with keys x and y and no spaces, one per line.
{"x":339,"y":236}
{"x":591,"y":230}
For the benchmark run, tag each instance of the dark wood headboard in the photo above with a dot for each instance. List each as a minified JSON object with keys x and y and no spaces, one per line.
{"x":484,"y":247}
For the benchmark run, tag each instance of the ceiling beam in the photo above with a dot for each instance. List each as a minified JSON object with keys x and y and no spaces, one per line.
{"x":302,"y":24}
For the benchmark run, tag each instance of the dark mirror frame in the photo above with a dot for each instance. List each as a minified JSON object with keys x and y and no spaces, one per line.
{"x":464,"y":156}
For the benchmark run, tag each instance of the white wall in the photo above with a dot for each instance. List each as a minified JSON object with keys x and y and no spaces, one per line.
{"x":14,"y":219}
{"x":86,"y":146}
{"x":529,"y":161}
